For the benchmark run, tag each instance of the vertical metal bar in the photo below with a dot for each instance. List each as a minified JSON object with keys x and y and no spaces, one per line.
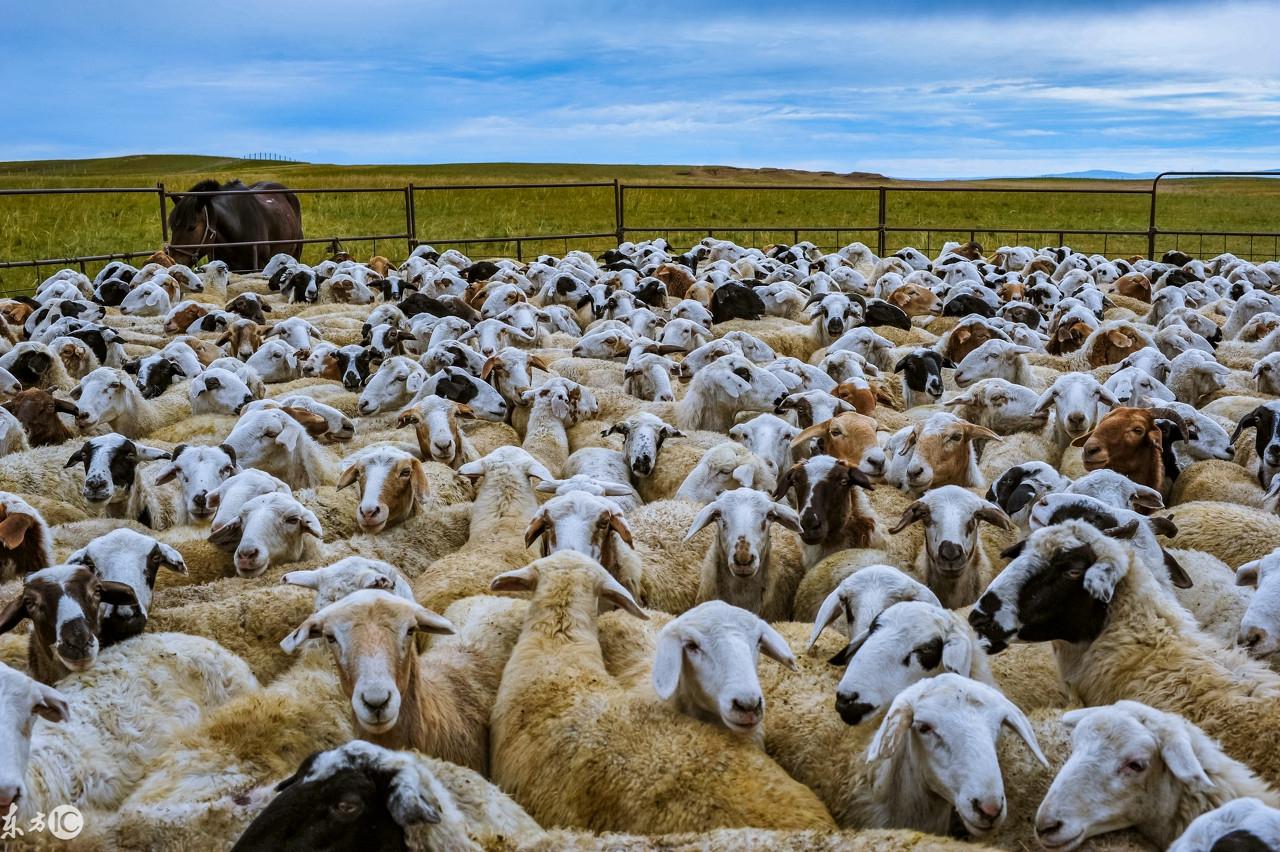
{"x":410,"y":225}
{"x":880,"y":223}
{"x":164,"y":216}
{"x":1151,"y":222}
{"x":520,"y":251}
{"x":619,"y":216}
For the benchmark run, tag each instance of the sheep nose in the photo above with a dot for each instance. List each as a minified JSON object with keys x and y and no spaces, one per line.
{"x":1048,"y":827}
{"x":950,"y":551}
{"x":247,"y":553}
{"x":375,"y":699}
{"x":371,"y":512}
{"x":915,"y":472}
{"x":990,"y":808}
{"x":1250,"y":637}
{"x":198,"y":499}
{"x":642,"y":465}
{"x":778,"y":402}
{"x":1076,"y":419}
{"x":851,"y":710}
{"x":755,"y":705}
{"x":441,"y":448}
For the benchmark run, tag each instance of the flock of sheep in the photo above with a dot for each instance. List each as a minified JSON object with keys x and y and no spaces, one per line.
{"x":466,"y":554}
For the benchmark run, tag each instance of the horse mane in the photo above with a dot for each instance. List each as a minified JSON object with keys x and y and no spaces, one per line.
{"x":184,"y":210}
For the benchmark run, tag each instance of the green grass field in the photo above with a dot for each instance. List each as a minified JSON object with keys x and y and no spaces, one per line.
{"x":59,"y":226}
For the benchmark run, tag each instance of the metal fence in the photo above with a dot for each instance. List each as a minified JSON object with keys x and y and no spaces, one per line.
{"x":883,"y":232}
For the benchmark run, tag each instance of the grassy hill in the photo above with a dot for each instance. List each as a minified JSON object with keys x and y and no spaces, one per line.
{"x":56,"y":226}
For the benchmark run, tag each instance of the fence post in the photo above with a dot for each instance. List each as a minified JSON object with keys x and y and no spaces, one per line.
{"x":164,"y":216}
{"x":410,"y":218}
{"x":619,"y":218}
{"x":880,"y":232}
{"x":1151,"y":224}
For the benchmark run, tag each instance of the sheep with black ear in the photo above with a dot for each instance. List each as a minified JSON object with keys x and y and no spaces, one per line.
{"x":1133,"y":765}
{"x":108,"y":397}
{"x":1125,"y":638}
{"x":935,"y":640}
{"x":124,"y":556}
{"x":363,"y":794}
{"x":115,"y":486}
{"x":922,"y":376}
{"x":1241,"y":825}
{"x":198,"y":471}
{"x":1017,"y":489}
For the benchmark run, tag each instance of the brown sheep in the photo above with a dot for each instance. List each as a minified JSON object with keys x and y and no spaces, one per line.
{"x":1131,"y":442}
{"x":37,"y":410}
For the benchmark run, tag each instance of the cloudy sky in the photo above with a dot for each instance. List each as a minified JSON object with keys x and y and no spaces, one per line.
{"x":910,"y":89}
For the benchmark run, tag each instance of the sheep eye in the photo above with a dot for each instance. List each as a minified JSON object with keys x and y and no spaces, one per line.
{"x":293,"y":520}
{"x":743,"y":373}
{"x":691,"y":647}
{"x":1075,"y":573}
{"x":1135,"y":766}
{"x":924,"y":728}
{"x":115,"y":386}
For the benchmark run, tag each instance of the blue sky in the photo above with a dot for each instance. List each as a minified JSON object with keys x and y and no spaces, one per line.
{"x":914,"y":89}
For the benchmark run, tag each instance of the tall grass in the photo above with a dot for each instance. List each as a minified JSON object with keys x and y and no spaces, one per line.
{"x":58,"y":226}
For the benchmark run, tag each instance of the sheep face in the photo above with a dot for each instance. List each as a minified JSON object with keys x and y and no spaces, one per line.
{"x":392,"y":486}
{"x":1058,"y":588}
{"x":371,"y":634}
{"x":1075,"y":398}
{"x":21,"y":701}
{"x":271,"y":529}
{"x":905,"y":643}
{"x":134,"y":559}
{"x":218,"y":391}
{"x":642,"y":438}
{"x":1260,"y":624}
{"x":227,"y":499}
{"x":397,"y":380}
{"x":358,"y":795}
{"x":334,"y":582}
{"x":461,"y":387}
{"x":1118,"y":774}
{"x":1018,"y":488}
{"x":111,"y":467}
{"x":63,"y":604}
{"x":950,"y":515}
{"x":742,"y":518}
{"x":275,"y":361}
{"x":948,"y":726}
{"x":993,"y":359}
{"x":102,"y":397}
{"x":824,"y":492}
{"x":863,"y":595}
{"x":267,"y":439}
{"x":580,"y":522}
{"x":706,"y":661}
{"x":922,"y":372}
{"x":199,"y":470}
{"x":940,"y":452}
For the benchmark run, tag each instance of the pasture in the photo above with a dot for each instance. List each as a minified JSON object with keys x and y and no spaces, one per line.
{"x":60,"y":226}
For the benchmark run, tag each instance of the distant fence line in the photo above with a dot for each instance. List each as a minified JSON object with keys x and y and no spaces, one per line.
{"x":878,"y":232}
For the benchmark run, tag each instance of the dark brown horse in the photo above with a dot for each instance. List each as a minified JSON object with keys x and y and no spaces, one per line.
{"x":200,"y":224}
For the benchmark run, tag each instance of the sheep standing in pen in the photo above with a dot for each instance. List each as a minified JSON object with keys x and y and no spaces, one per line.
{"x":556,"y":701}
{"x":805,"y":488}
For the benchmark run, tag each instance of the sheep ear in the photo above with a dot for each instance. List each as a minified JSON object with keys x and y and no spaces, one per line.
{"x":785,"y":482}
{"x":77,"y":457}
{"x":817,"y":430}
{"x":430,"y":622}
{"x":311,"y":524}
{"x":538,"y":470}
{"x":736,"y":386}
{"x":773,"y":645}
{"x":957,"y":653}
{"x":1177,"y":574}
{"x":706,"y":515}
{"x":1071,"y":718}
{"x":167,"y":475}
{"x":288,"y":438}
{"x":305,"y":579}
{"x":827,"y":614}
{"x":1045,"y":401}
{"x":13,"y":529}
{"x":1018,"y":723}
{"x":1101,"y":579}
{"x":146,"y":453}
{"x":892,"y":733}
{"x":785,"y":516}
{"x":520,"y":580}
{"x":1146,"y":498}
{"x":1080,"y":442}
{"x":980,"y":433}
{"x":917,"y":511}
{"x":618,"y":524}
{"x":348,"y":476}
{"x":1179,"y":755}
{"x":13,"y":613}
{"x":169,"y":558}
{"x":668,"y":659}
{"x":52,"y":704}
{"x":846,"y":653}
{"x":309,"y":629}
{"x":538,"y":526}
{"x":995,"y":516}
{"x":615,"y":593}
{"x":421,"y":485}
{"x":120,"y":594}
{"x":1246,"y":574}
